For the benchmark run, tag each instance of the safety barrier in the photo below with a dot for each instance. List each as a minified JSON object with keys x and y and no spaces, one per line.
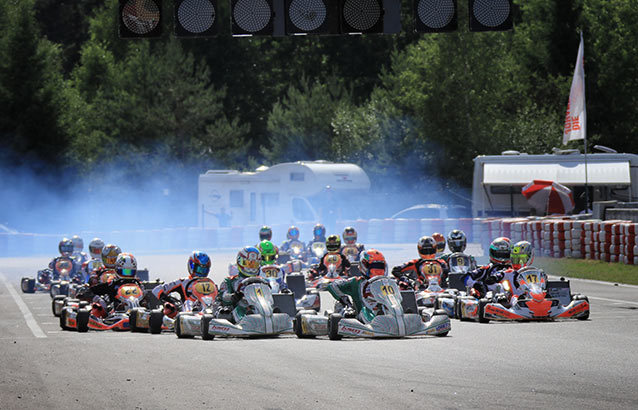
{"x":185,"y":239}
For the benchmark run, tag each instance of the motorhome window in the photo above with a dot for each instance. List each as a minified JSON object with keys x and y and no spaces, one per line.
{"x":300,"y":210}
{"x":296,"y":176}
{"x":237,"y":199}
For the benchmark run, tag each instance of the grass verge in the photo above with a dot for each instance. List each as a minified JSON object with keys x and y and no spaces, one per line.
{"x":589,"y":269}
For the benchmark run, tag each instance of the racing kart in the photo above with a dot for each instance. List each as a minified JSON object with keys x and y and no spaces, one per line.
{"x":46,"y":278}
{"x":296,"y":251}
{"x":78,"y":317}
{"x":539,"y":299}
{"x":200,"y":297}
{"x":256,"y":314}
{"x":394,"y":314}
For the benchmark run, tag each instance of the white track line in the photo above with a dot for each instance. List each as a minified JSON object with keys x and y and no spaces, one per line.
{"x":613,"y":300}
{"x":28,"y":317}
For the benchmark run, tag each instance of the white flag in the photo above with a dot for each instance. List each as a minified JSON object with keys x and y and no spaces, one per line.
{"x":576,"y":117}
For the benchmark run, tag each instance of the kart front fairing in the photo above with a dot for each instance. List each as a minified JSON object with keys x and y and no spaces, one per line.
{"x":253,"y":316}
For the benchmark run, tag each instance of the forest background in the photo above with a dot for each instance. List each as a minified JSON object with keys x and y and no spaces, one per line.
{"x":83,"y":108}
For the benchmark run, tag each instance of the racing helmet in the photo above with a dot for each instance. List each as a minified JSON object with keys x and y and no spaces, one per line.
{"x":522,"y":255}
{"x":265,"y":233}
{"x":333,"y":243}
{"x":350,"y":235}
{"x":500,"y":251}
{"x":126,"y":266}
{"x":78,"y":244}
{"x":440,"y":242}
{"x":248,"y":261}
{"x":319,"y":232}
{"x":372,"y":264}
{"x":95,"y":248}
{"x":456,"y":241}
{"x":109,"y":255}
{"x":65,"y":247}
{"x":426,"y":247}
{"x":268,"y":252}
{"x":198,"y":264}
{"x":293,"y":233}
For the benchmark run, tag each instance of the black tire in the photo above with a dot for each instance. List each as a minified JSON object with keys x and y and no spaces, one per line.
{"x":204,"y":323}
{"x":178,"y":329}
{"x":82,"y":320}
{"x":333,"y":327}
{"x":457,"y":309}
{"x":83,"y":304}
{"x":481,"y":315}
{"x":132,"y":321}
{"x":60,"y":297}
{"x":27,"y":285}
{"x":586,"y":315}
{"x":63,"y":325}
{"x":155,"y":322}
{"x":64,"y":289}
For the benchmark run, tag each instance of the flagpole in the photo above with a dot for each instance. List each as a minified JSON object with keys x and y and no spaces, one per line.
{"x":586,"y":184}
{"x":585,"y":135}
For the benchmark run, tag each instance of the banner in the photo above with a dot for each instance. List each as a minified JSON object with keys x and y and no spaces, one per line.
{"x":576,"y":117}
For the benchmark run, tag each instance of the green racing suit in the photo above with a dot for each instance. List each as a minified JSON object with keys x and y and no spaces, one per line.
{"x":360,"y":298}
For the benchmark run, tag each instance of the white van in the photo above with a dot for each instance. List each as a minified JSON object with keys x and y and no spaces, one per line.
{"x":287,"y":193}
{"x":498,"y":179}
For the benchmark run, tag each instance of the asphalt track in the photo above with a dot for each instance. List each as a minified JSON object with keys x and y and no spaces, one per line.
{"x":569,"y":364}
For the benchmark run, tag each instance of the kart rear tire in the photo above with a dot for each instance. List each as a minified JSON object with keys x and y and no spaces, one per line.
{"x":586,"y":315}
{"x":333,"y":327}
{"x":439,"y":312}
{"x":132,"y":321}
{"x":63,"y":325}
{"x":178,"y":330}
{"x":155,"y":322}
{"x":55,"y":299}
{"x":82,"y":320}
{"x":481,"y":315}
{"x":27,"y":285}
{"x":64,"y":289}
{"x":204,"y":330}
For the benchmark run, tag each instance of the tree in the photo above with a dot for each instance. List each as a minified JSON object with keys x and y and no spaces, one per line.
{"x":30,"y":90}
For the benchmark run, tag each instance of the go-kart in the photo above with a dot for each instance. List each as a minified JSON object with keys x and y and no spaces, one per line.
{"x":316,"y":251}
{"x":537,"y":299}
{"x":46,"y":278}
{"x":256,"y":314}
{"x":129,"y":296}
{"x":296,"y":251}
{"x":394,"y":313}
{"x":200,"y":297}
{"x":82,"y":292}
{"x":332,"y":262}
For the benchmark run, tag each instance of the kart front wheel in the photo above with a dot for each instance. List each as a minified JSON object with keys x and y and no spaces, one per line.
{"x":63,"y":325}
{"x":27,"y":285}
{"x":481,"y":315}
{"x":132,"y":321}
{"x":82,"y":320}
{"x":205,"y":323}
{"x":333,"y":327}
{"x":155,"y":322}
{"x":56,"y":300}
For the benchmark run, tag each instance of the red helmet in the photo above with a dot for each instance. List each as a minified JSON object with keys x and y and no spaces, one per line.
{"x":293,"y":233}
{"x":372,"y":264}
{"x":440,"y":242}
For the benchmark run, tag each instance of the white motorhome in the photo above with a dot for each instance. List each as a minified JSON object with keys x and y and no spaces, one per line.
{"x":284,"y":193}
{"x":498,"y":179}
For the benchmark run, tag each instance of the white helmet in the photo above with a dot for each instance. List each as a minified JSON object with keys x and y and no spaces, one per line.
{"x":78,"y":244}
{"x":126,"y":265}
{"x":95,"y":248}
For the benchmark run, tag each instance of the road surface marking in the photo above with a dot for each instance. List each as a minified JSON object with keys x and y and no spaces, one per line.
{"x":613,"y":300}
{"x":28,"y":317}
